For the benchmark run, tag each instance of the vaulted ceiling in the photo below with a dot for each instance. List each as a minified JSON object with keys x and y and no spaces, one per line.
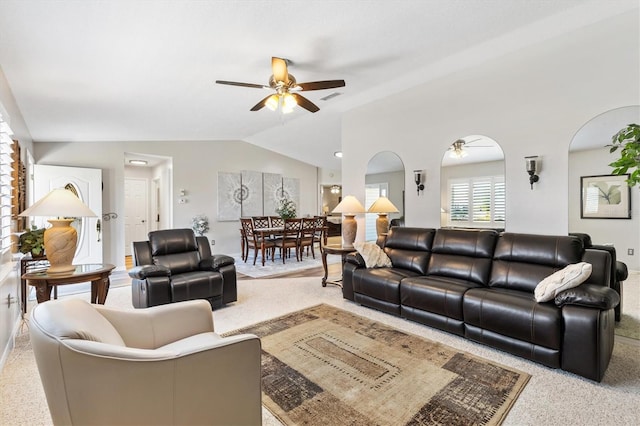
{"x":144,"y":71}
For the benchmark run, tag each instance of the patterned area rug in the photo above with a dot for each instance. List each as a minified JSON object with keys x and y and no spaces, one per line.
{"x":326,"y":366}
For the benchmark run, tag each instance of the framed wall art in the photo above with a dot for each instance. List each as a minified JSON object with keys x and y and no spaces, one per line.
{"x":605,"y":197}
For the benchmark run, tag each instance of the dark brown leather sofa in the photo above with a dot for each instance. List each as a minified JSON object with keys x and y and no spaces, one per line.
{"x":174,"y":265}
{"x":480,"y":284}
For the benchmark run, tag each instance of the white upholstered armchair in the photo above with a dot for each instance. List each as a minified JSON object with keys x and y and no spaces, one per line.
{"x":160,"y":365}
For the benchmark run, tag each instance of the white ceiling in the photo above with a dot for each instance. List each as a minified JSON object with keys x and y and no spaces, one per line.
{"x":144,"y":71}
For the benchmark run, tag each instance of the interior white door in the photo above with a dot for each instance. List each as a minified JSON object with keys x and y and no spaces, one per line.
{"x":88,"y":186}
{"x":136,"y":212}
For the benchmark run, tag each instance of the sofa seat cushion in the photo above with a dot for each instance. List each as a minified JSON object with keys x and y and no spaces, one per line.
{"x":435,"y":294}
{"x":195,"y":285}
{"x":380,"y":283}
{"x":514,"y":314}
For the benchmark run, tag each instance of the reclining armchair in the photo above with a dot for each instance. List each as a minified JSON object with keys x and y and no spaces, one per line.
{"x":162,"y":365}
{"x":175,"y":265}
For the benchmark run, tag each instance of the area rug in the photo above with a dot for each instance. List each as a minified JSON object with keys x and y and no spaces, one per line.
{"x":276,"y":267}
{"x":326,"y":366}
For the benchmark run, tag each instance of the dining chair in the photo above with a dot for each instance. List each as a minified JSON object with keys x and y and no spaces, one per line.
{"x":255,"y":241}
{"x":244,"y":245}
{"x":276,"y":221}
{"x":260,"y":222}
{"x":321,"y":230}
{"x":289,"y":238}
{"x":307,"y":236}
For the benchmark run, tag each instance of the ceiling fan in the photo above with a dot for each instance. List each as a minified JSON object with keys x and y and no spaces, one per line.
{"x":286,"y":88}
{"x":459,"y":147}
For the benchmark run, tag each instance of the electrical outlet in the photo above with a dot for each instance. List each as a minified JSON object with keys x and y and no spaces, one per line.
{"x":630,"y":252}
{"x":213,"y":242}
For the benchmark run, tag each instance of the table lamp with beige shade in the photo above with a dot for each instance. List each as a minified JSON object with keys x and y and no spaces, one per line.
{"x":61,"y":239}
{"x":349,"y":207}
{"x":383,"y":207}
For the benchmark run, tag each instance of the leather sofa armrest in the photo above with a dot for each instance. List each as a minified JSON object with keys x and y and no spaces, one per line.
{"x":590,"y":296}
{"x":144,"y":271}
{"x":216,"y":262}
{"x":356,"y":259}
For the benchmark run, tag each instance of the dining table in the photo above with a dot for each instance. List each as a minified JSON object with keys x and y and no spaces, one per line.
{"x":272,"y":232}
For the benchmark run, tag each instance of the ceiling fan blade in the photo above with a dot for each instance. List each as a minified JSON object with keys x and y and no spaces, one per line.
{"x":235,"y":83}
{"x":260,"y":104}
{"x":279,"y":69}
{"x":320,"y":85}
{"x":305,"y":103}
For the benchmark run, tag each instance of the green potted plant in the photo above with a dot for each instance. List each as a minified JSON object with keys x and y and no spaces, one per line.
{"x":32,"y":241}
{"x":628,"y":141}
{"x":287,"y":209}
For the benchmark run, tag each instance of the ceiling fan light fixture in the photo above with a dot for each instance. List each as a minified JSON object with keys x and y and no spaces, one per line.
{"x":288,"y":103}
{"x":457,"y":150}
{"x":273,"y":102}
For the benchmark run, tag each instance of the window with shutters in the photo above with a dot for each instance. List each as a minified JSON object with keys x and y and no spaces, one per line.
{"x":477,"y":202}
{"x":6,"y":179}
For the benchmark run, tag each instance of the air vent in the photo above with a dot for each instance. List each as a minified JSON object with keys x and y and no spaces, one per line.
{"x":333,"y":95}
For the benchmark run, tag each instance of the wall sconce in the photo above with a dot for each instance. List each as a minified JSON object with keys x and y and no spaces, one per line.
{"x":417,"y":176}
{"x":533,"y":165}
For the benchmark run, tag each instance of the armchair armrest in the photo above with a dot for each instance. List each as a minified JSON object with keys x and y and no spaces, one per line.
{"x":590,"y":296}
{"x":216,"y":262}
{"x":356,"y":259}
{"x":160,"y":325}
{"x":144,"y":271}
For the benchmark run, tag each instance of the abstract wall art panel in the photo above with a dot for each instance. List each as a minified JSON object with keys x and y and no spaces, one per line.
{"x":252,"y":200}
{"x":272,"y":192}
{"x":291,"y":190}
{"x":230,"y":195}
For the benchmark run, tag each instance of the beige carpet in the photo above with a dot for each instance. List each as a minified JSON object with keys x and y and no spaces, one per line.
{"x":322,"y":365}
{"x":629,"y":325}
{"x":552,"y":397}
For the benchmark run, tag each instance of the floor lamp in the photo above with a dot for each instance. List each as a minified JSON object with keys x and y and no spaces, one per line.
{"x":61,"y":239}
{"x":349,"y":207}
{"x":383,"y":207}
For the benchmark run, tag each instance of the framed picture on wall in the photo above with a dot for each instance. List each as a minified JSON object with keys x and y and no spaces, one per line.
{"x":605,"y":197}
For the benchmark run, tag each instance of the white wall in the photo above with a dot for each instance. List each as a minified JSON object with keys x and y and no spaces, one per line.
{"x":195,"y":167}
{"x":532,"y":102}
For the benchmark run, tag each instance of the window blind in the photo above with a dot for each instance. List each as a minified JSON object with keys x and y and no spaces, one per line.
{"x":6,"y":187}
{"x":478,"y":202}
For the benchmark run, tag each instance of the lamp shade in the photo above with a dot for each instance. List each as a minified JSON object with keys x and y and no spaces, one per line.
{"x":382,"y":205}
{"x":60,"y":241}
{"x":60,"y":203}
{"x":349,"y":205}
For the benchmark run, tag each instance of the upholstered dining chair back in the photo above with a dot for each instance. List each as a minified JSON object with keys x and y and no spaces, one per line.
{"x":160,"y":365}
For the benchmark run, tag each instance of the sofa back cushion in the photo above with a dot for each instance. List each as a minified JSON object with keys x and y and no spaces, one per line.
{"x":521,"y":261}
{"x":463,"y":254}
{"x":409,"y":248}
{"x":176,"y":249}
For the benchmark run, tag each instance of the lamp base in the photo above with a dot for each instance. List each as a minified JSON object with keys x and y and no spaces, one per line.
{"x":382,"y":224}
{"x":60,"y":243}
{"x":349,"y":230}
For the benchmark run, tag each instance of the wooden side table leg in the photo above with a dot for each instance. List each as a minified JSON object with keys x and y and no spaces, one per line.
{"x":94,"y":290}
{"x":326,"y":269}
{"x":43,"y":292}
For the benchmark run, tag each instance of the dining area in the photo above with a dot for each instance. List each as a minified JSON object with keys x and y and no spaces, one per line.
{"x":269,"y":237}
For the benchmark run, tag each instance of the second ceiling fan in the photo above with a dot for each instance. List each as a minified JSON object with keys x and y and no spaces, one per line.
{"x":286,"y":88}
